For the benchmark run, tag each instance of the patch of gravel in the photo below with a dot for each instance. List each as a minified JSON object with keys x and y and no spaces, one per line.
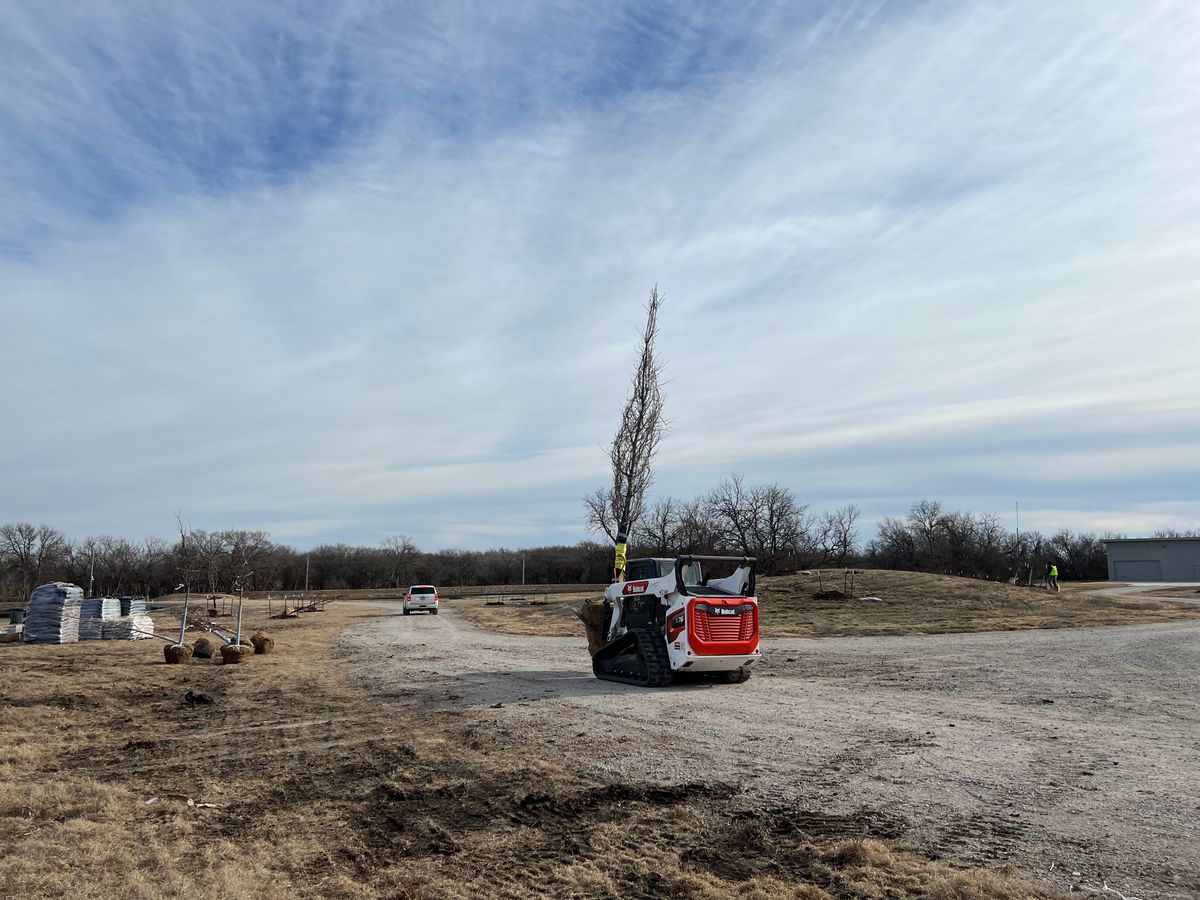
{"x":1072,"y":754}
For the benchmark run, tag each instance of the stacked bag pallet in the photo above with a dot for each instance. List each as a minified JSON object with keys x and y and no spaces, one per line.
{"x":133,"y":606}
{"x":94,"y":612}
{"x":128,"y":628}
{"x":52,"y":616}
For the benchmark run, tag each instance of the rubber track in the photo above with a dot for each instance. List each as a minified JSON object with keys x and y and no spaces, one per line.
{"x":654,"y":663}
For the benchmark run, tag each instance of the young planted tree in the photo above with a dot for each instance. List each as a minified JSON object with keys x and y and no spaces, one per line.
{"x":616,"y":510}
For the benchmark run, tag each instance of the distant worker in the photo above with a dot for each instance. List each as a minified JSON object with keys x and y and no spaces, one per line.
{"x":1051,"y":576}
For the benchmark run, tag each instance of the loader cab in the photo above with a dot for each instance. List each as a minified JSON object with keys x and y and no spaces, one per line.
{"x":644,"y":569}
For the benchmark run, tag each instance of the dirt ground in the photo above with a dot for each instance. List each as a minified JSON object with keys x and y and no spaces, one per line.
{"x":356,"y":769}
{"x":1073,"y":754}
{"x":903,"y":603}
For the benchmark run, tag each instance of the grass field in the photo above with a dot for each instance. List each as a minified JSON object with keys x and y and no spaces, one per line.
{"x":908,"y":603}
{"x":123,"y":776}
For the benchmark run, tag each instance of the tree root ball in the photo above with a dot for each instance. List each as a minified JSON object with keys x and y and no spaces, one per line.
{"x":177,"y":653}
{"x":203,"y":648}
{"x":262,"y":642}
{"x":235,"y":653}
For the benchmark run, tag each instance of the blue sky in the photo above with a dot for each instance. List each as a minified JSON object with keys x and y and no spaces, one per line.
{"x":345,"y":270}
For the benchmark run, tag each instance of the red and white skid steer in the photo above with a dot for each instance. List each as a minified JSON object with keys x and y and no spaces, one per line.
{"x":667,"y":620}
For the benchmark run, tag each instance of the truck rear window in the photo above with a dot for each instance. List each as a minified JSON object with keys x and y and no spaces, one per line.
{"x":423,"y":590}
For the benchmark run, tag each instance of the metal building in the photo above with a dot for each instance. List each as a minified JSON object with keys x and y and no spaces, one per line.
{"x":1153,"y":559}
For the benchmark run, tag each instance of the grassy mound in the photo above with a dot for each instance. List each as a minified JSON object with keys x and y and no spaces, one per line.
{"x":825,"y":604}
{"x":919,"y":603}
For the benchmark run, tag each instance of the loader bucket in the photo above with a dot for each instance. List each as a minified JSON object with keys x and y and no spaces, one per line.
{"x":592,"y":616}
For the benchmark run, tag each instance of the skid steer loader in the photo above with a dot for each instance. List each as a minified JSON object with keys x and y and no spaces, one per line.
{"x":666,"y":620}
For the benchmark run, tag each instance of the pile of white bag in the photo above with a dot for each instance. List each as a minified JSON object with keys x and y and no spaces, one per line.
{"x":133,"y":606}
{"x":93,"y":613}
{"x":52,"y":616}
{"x":128,"y":628}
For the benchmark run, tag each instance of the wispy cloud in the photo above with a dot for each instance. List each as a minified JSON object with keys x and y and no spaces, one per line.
{"x":341,"y":272}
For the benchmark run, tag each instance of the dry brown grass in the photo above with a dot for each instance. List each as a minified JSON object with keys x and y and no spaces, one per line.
{"x":1185,"y":592}
{"x":918,"y":603}
{"x":909,"y":603}
{"x":549,"y":616}
{"x":319,"y":790}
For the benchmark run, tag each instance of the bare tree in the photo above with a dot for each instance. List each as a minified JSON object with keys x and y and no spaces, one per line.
{"x":246,"y":549}
{"x":924,"y":519}
{"x":784,"y":526}
{"x":837,"y":534}
{"x":32,"y":550}
{"x":599,"y":512}
{"x":209,"y":549}
{"x":618,"y":509}
{"x":402,"y":553}
{"x":894,"y":547}
{"x":734,"y":511}
{"x":662,"y":527}
{"x":697,"y":532}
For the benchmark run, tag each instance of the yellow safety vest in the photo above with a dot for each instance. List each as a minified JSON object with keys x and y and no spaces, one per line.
{"x":1054,"y":571}
{"x":619,"y":562}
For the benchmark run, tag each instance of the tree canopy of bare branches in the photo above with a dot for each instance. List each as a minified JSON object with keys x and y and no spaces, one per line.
{"x":619,"y":508}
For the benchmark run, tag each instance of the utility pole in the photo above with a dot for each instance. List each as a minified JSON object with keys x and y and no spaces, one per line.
{"x":522,"y":569}
{"x":92,"y":574}
{"x":306,"y":573}
{"x":1018,"y":542}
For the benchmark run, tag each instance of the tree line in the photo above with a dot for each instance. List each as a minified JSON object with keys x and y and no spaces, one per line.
{"x":734,"y":518}
{"x":932,"y":539}
{"x":228,"y":560}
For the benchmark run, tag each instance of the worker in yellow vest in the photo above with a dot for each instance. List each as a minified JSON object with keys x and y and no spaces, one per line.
{"x":1051,"y":576}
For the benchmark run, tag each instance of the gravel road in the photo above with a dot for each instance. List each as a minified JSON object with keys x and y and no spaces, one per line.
{"x":1073,"y":754}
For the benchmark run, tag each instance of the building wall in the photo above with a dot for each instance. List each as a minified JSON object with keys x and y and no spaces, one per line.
{"x":1154,"y":560}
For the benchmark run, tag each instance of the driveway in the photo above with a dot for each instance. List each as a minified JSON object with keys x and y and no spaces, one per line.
{"x":1074,"y":754}
{"x":1186,"y":591}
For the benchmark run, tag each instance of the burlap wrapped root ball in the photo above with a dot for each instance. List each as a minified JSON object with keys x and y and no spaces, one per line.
{"x":236,"y":653}
{"x":177,"y":653}
{"x":263,"y":643}
{"x":203,"y":648}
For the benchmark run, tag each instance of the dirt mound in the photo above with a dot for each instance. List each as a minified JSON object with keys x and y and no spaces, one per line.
{"x":829,"y":595}
{"x":203,"y":648}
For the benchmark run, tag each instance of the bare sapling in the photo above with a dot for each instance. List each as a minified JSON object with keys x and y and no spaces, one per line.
{"x":616,"y":510}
